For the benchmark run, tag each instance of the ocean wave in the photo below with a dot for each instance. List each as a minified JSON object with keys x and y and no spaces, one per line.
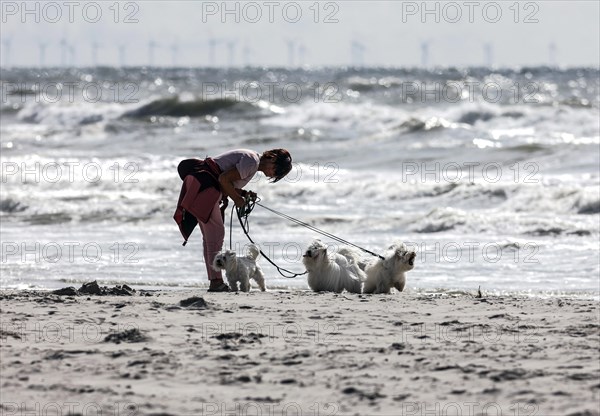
{"x":466,"y":191}
{"x":10,"y":206}
{"x":440,"y":219}
{"x":439,"y":190}
{"x":363,"y":84}
{"x":104,"y":215}
{"x":471,"y":117}
{"x":556,"y":231}
{"x":527,"y":148}
{"x":415,"y":124}
{"x":589,"y":207}
{"x":48,"y":218}
{"x":532,"y":128}
{"x":577,"y":102}
{"x":198,"y":107}
{"x":68,"y":115}
{"x":564,"y":199}
{"x":460,"y":194}
{"x":82,"y":114}
{"x":472,"y":113}
{"x":174,"y":107}
{"x":10,"y":109}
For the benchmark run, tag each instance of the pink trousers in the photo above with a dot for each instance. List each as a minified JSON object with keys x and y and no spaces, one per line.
{"x":213,"y":233}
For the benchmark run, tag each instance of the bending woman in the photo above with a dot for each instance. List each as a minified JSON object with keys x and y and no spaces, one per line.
{"x":209,"y":182}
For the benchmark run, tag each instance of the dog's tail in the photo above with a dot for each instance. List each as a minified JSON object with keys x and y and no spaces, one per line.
{"x":351,"y":255}
{"x":253,"y":252}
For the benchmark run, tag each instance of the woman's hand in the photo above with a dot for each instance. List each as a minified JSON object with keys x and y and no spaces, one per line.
{"x":239,"y":202}
{"x":251,"y":195}
{"x":247,"y":195}
{"x":238,"y":196}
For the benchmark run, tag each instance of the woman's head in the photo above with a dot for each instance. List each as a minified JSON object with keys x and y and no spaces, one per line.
{"x":277,"y":162}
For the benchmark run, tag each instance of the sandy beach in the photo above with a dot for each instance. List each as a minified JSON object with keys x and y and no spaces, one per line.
{"x":300,"y":353}
{"x":450,"y":150}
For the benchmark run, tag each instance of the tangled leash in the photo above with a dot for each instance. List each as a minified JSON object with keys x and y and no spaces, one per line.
{"x":243,"y":214}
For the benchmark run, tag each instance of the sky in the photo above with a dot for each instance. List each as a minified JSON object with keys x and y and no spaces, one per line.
{"x":300,"y":33}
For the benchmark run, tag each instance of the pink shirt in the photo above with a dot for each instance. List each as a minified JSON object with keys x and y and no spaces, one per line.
{"x":244,"y":160}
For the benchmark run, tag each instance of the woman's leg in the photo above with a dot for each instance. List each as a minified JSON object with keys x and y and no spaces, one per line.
{"x":213,"y":232}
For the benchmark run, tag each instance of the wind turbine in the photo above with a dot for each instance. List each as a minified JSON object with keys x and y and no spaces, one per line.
{"x":302,"y":54}
{"x":95,"y":47}
{"x":357,"y":49}
{"x":72,"y":54}
{"x":425,"y":53}
{"x":552,"y":52}
{"x":246,"y":51}
{"x":488,"y":51}
{"x":212,"y":46}
{"x":42,"y":47}
{"x":122,"y":54}
{"x":64,"y":50}
{"x":291,"y":43}
{"x":231,"y":44}
{"x":151,"y":46}
{"x":6,"y":42}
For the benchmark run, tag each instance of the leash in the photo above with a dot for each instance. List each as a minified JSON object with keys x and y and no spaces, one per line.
{"x":317,"y":230}
{"x":243,"y":214}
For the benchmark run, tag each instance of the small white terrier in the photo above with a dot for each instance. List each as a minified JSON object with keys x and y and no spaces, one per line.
{"x":240,"y":269}
{"x":332,"y":272}
{"x":382,"y":275}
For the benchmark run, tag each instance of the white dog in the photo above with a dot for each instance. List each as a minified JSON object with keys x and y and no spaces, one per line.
{"x":332,"y":272}
{"x":389,"y":272}
{"x":240,"y":269}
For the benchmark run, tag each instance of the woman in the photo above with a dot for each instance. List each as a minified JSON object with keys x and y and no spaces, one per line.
{"x":209,"y":182}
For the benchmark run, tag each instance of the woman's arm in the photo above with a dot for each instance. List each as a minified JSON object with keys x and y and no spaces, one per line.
{"x":226,"y":180}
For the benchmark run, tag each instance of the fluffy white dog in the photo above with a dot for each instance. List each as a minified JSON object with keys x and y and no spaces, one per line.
{"x":240,"y":269}
{"x":384,"y":274}
{"x":332,"y":272}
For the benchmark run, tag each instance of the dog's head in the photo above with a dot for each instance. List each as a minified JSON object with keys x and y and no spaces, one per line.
{"x":400,"y":257}
{"x":225,"y":260}
{"x":317,"y":251}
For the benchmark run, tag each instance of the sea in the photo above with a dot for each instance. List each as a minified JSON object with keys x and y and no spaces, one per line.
{"x":490,"y":174}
